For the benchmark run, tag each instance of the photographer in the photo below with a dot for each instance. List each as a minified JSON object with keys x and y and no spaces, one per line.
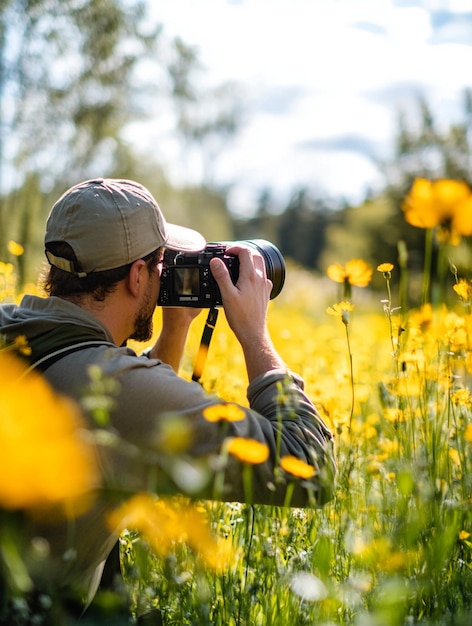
{"x":105,"y":241}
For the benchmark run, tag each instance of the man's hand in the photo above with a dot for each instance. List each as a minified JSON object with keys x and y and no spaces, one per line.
{"x":245,"y":305}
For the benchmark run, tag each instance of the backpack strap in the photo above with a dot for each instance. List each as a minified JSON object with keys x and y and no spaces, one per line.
{"x":59,"y":341}
{"x":46,"y":361}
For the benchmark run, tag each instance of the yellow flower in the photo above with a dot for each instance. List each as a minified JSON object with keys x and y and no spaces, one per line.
{"x":15,"y":248}
{"x":229,"y":412}
{"x":462,"y":397}
{"x":248,"y":450}
{"x":296,"y":467}
{"x":385,"y":267}
{"x":7,"y":281}
{"x":468,"y":433}
{"x":422,"y":318}
{"x":45,"y":458}
{"x":164,"y":524}
{"x":342,"y":310}
{"x":440,"y":203}
{"x":356,"y":272}
{"x":6,"y":269}
{"x":21,"y":345}
{"x":463,"y":535}
{"x":463,"y":290}
{"x":341,"y":307}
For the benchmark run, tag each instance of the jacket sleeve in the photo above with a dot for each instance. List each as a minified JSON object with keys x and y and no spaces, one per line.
{"x":285,"y":419}
{"x":280,"y":415}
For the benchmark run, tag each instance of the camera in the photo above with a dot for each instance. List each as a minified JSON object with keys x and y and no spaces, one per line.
{"x":186,"y":278}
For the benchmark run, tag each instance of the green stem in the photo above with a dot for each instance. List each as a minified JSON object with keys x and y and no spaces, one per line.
{"x":289,"y":493}
{"x":428,"y":259}
{"x":351,"y":372}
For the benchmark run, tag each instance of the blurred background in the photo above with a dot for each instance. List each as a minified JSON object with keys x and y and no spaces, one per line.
{"x":304,"y":122}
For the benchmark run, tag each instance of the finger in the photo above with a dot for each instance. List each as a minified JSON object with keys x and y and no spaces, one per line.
{"x":249,"y":261}
{"x":220,"y":273}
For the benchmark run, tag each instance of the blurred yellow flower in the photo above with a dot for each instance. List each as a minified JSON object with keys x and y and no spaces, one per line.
{"x":21,"y":345}
{"x":455,"y":331}
{"x":7,"y":281}
{"x":15,"y":248}
{"x":422,"y":318}
{"x":443,"y":203}
{"x":463,"y":289}
{"x":395,"y":416}
{"x":166,"y":523}
{"x":248,"y":450}
{"x":296,"y":467}
{"x":356,"y":272}
{"x":45,"y":458}
{"x":463,"y":535}
{"x":462,"y":397}
{"x":6,"y":269}
{"x":468,"y":433}
{"x":454,"y":456}
{"x":229,"y":412}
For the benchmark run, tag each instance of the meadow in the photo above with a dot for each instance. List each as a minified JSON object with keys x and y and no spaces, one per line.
{"x":394,"y":545}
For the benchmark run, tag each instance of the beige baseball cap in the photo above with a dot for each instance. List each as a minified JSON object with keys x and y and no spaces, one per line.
{"x":109,"y":223}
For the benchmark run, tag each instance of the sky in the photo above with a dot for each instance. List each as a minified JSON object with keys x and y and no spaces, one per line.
{"x":321,"y":82}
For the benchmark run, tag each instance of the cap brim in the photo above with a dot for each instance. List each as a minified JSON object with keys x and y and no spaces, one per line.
{"x":183,"y":239}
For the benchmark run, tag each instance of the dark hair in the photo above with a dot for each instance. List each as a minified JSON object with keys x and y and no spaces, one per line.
{"x":58,"y":282}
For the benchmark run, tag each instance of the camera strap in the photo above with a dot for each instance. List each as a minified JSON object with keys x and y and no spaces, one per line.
{"x":204,"y":344}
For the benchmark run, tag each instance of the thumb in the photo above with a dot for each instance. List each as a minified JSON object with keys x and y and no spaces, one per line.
{"x":220,"y":273}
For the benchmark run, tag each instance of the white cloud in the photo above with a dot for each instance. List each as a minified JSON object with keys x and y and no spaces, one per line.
{"x":315,"y":72}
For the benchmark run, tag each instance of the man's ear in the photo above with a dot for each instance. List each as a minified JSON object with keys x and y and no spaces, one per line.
{"x":135,"y":276}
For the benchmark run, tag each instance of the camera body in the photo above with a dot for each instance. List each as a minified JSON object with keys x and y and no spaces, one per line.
{"x":186,"y":278}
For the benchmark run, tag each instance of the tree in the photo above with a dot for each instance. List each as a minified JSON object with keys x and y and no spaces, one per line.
{"x":302,"y":228}
{"x":206,"y":120}
{"x":74,"y":76}
{"x":423,"y":149}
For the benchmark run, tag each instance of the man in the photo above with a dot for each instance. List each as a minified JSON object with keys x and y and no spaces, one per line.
{"x":104,"y":241}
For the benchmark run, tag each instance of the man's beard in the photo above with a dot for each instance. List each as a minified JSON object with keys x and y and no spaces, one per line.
{"x":143,"y":325}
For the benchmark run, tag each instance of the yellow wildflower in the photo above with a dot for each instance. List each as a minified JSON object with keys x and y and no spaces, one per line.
{"x":45,"y":459}
{"x":468,"y":433}
{"x":7,"y":281}
{"x":356,"y":272}
{"x":338,"y":309}
{"x":442,"y":203}
{"x":385,"y":267}
{"x":342,"y":310}
{"x":463,"y":535}
{"x":248,"y":450}
{"x":455,"y":331}
{"x":21,"y":345}
{"x":164,"y":524}
{"x":422,"y":318}
{"x":15,"y":248}
{"x":296,"y":467}
{"x":462,"y":397}
{"x":454,"y":456}
{"x":229,"y":412}
{"x":463,"y":289}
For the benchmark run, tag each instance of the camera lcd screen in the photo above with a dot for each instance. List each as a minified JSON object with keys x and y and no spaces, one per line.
{"x":187,"y":282}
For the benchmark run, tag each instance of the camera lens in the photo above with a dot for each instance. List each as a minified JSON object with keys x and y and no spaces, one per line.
{"x":274,"y":262}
